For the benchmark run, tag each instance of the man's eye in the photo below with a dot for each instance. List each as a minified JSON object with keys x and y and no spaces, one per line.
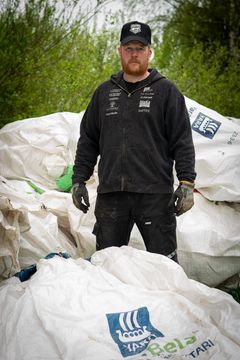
{"x":130,"y":50}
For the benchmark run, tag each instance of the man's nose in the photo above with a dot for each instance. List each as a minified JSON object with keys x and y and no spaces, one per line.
{"x":134,"y":52}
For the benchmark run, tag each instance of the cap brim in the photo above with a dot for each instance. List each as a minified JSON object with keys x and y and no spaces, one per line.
{"x":134,"y":38}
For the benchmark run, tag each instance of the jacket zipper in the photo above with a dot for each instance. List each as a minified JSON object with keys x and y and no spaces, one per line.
{"x":123,"y":158}
{"x":124,"y":130}
{"x":130,"y":93}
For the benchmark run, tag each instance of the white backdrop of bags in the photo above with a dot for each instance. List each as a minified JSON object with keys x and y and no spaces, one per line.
{"x":28,"y":231}
{"x":208,"y":235}
{"x":128,"y":304}
{"x":208,"y":238}
{"x":72,"y":220}
{"x":39,"y":149}
{"x":217,"y":145}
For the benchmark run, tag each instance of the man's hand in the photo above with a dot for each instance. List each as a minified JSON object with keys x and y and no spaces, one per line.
{"x":183,"y":197}
{"x":80,"y":193}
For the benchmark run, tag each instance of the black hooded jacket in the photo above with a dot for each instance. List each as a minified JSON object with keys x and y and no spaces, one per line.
{"x":138,"y":136}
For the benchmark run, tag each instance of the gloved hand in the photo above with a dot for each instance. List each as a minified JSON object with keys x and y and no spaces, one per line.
{"x":80,"y":193}
{"x":183,"y":197}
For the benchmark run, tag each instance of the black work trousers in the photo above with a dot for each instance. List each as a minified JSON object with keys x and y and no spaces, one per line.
{"x":153,"y":214}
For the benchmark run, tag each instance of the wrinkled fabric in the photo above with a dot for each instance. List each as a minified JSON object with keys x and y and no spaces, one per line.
{"x":127,"y":303}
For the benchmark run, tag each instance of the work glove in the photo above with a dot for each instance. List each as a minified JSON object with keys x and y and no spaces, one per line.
{"x":80,"y":193}
{"x":183,"y":197}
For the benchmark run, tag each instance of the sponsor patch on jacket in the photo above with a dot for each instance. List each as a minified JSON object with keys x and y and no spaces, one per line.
{"x":113,"y":98}
{"x":144,"y":104}
{"x":145,"y":99}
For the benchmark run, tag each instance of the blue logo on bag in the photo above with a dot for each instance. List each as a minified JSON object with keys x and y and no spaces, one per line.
{"x":205,"y":126}
{"x":132,"y":331}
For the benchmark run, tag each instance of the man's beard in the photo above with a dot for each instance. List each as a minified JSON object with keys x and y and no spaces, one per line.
{"x":138,"y":71}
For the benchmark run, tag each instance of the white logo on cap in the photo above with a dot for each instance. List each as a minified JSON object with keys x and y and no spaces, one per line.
{"x":135,"y":28}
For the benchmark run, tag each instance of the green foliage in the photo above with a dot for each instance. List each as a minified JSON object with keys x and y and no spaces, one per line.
{"x":49,"y":63}
{"x":206,"y":22}
{"x":204,"y":62}
{"x":25,"y":38}
{"x":52,"y":61}
{"x":207,"y":76}
{"x":86,"y":60}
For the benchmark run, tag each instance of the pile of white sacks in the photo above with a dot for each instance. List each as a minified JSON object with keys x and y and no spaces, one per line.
{"x":39,"y":150}
{"x":125,"y":303}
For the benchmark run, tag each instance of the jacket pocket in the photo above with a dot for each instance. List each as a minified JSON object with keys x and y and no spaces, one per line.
{"x":140,"y":166}
{"x":109,"y":166}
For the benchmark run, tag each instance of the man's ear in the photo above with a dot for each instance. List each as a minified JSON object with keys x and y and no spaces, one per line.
{"x":151,"y":54}
{"x":119,"y":50}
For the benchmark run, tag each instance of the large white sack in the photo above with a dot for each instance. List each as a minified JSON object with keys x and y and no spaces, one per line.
{"x":217,"y":146}
{"x":208,"y":238}
{"x":72,"y":220}
{"x":131,"y":304}
{"x":28,"y":231}
{"x":39,"y":149}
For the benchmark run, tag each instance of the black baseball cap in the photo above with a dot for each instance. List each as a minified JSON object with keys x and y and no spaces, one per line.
{"x":135,"y":31}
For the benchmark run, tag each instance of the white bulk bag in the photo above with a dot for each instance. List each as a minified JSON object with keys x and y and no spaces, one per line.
{"x":28,"y":230}
{"x":217,"y":145}
{"x":130,"y":304}
{"x":39,"y":149}
{"x":208,"y":238}
{"x":73,"y":220}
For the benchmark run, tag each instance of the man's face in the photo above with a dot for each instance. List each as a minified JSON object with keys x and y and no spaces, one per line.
{"x":134,"y":58}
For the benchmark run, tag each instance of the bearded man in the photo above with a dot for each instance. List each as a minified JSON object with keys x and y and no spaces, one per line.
{"x":137,"y":122}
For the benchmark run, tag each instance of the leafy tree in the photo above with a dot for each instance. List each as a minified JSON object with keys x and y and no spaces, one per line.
{"x":208,"y":22}
{"x":67,"y":85}
{"x":200,"y":52}
{"x":40,"y":44}
{"x":198,"y":73}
